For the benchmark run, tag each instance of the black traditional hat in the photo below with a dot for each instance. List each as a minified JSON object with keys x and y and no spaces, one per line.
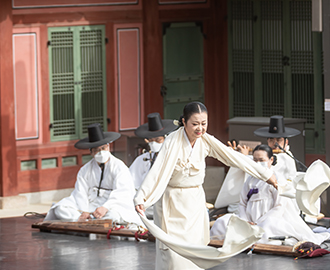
{"x":96,"y":137}
{"x":155,"y":127}
{"x":276,"y":129}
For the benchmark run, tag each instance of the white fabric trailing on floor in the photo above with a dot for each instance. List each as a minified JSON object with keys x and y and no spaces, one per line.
{"x":240,"y":236}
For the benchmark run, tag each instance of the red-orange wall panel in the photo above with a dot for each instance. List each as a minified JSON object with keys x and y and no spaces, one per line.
{"x":128,"y":79}
{"x":25,"y":86}
{"x":26,"y":58}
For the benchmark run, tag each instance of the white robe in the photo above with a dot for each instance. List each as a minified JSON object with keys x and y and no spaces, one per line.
{"x":235,"y":178}
{"x":276,"y":214}
{"x":139,"y":170}
{"x":118,"y":197}
{"x":175,"y":183}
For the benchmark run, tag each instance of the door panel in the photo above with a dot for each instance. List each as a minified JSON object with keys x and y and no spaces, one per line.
{"x":183,"y":67}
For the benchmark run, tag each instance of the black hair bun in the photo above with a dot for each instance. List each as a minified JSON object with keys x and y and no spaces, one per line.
{"x":180,"y":121}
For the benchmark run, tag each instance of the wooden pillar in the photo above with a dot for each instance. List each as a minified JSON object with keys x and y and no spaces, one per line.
{"x":8,"y":155}
{"x":216,"y":70}
{"x":153,"y":58}
{"x":326,"y":61}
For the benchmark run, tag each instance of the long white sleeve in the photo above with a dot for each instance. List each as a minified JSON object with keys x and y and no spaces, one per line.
{"x":235,"y":159}
{"x":80,"y":192}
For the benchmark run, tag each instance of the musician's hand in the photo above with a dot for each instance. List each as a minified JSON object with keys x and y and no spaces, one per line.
{"x":140,"y":209}
{"x":232,"y":144}
{"x":84,"y":216}
{"x":272,"y":181}
{"x":243,"y":149}
{"x":100,"y":212}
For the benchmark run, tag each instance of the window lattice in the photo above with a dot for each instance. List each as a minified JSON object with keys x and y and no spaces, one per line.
{"x":77,"y":71}
{"x":243,"y":77}
{"x":275,"y":63}
{"x":302,"y":60}
{"x":62,"y":80}
{"x":91,"y":78}
{"x":271,"y":58}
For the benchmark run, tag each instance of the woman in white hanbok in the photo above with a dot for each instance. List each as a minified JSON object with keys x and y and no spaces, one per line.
{"x":174,"y":183}
{"x":260,"y":204}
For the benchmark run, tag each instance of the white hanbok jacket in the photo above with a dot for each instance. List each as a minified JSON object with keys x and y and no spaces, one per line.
{"x":276,"y":214}
{"x":229,"y":193}
{"x":117,"y":191}
{"x":140,"y":168}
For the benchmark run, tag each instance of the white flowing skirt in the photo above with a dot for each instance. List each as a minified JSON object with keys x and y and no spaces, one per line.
{"x":181,"y":213}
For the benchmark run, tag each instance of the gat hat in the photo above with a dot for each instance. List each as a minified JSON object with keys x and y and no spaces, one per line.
{"x":276,"y":129}
{"x":310,"y":185}
{"x":155,"y":127}
{"x":96,"y":137}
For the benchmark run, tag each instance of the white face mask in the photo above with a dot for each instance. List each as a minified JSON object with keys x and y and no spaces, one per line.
{"x":155,"y":146}
{"x":102,"y":156}
{"x":263,"y":164}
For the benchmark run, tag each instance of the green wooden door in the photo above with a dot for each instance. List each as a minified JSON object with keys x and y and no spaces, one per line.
{"x":275,"y":64}
{"x":182,"y":67}
{"x":77,"y":80}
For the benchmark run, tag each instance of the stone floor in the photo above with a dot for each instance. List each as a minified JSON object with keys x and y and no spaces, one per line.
{"x":19,"y":212}
{"x":22,"y":247}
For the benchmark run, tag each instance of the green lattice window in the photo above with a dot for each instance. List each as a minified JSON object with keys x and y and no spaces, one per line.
{"x":77,"y":80}
{"x":275,"y":64}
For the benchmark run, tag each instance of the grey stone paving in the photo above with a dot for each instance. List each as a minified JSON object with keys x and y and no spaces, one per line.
{"x":22,"y":247}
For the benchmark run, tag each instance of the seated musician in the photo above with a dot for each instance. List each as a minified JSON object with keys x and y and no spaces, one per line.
{"x":277,"y":137}
{"x":260,"y":204}
{"x":104,"y":188}
{"x":154,"y":133}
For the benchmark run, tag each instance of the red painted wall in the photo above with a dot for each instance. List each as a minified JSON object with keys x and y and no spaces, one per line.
{"x":144,"y":77}
{"x":8,"y":169}
{"x":27,"y":85}
{"x":129,"y":70}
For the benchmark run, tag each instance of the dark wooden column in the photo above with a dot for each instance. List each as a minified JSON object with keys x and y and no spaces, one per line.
{"x":326,"y":61}
{"x":8,"y":166}
{"x":326,"y":55}
{"x":153,"y":58}
{"x":216,"y":70}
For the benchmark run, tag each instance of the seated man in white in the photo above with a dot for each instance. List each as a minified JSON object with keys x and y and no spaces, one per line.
{"x":104,"y":188}
{"x":261,"y":205}
{"x":154,"y":133}
{"x":276,"y":133}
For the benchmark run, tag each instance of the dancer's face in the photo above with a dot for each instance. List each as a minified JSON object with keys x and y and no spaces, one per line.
{"x":196,"y":126}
